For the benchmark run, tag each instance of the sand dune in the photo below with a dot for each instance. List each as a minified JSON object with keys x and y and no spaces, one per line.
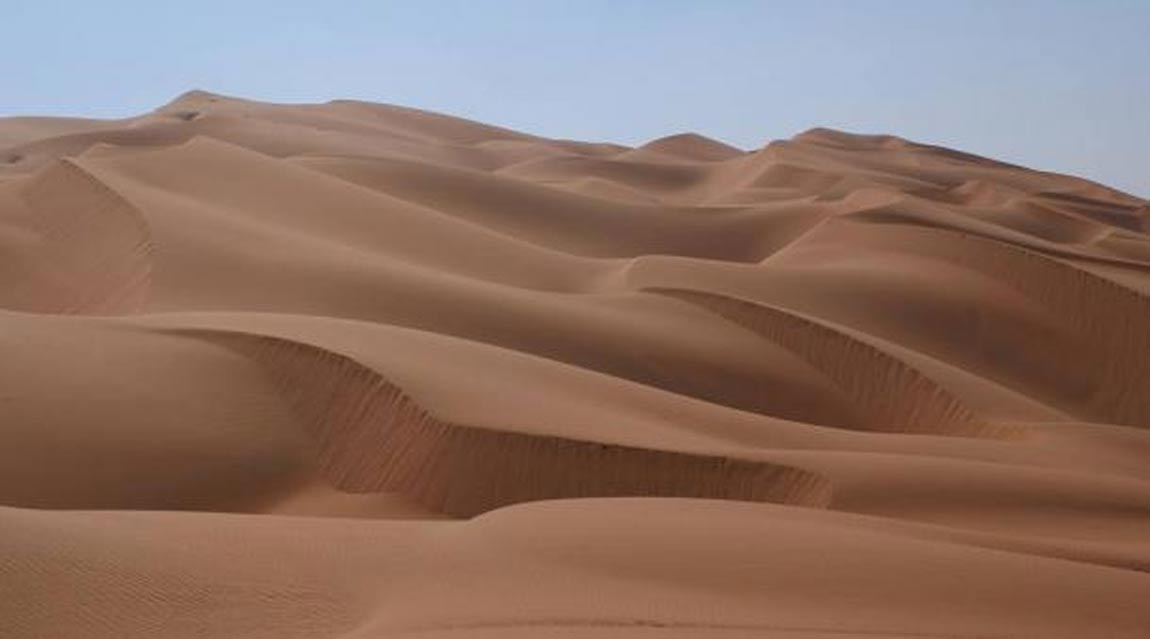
{"x":355,"y":370}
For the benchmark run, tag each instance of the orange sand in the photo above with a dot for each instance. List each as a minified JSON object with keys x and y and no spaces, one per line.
{"x":356,"y":371}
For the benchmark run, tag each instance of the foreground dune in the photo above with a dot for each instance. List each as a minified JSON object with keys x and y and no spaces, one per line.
{"x":354,"y":370}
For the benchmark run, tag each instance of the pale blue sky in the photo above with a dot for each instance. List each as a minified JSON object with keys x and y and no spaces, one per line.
{"x":1052,"y":84}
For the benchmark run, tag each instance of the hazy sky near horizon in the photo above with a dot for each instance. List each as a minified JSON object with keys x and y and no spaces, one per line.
{"x":1054,"y":84}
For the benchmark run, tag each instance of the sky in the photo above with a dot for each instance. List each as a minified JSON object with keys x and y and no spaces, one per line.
{"x":1056,"y":85}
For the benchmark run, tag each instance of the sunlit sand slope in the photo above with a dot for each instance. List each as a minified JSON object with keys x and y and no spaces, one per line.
{"x":351,"y":371}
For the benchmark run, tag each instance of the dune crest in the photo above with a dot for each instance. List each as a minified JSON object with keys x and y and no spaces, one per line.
{"x":85,"y":249}
{"x":352,"y":370}
{"x":372,"y":437}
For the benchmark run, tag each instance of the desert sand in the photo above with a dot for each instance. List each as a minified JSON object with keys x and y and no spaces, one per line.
{"x":353,"y":371}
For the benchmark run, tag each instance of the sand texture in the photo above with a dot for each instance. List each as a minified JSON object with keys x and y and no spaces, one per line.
{"x":354,"y":371}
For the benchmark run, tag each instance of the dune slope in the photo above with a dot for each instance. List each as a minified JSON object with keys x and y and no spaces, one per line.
{"x":351,"y":370}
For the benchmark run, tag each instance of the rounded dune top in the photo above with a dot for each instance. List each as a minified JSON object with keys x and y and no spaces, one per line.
{"x":824,"y":136}
{"x":448,"y":128}
{"x":694,"y":146}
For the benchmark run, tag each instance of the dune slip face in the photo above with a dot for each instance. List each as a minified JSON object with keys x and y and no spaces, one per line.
{"x":353,"y":370}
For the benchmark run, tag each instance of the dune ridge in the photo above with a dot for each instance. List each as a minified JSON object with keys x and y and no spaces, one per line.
{"x":894,"y":395}
{"x":92,"y":251}
{"x":372,"y":438}
{"x":352,"y":370}
{"x":1113,"y":327}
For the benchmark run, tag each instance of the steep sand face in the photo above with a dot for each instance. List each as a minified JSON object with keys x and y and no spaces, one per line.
{"x":355,"y":370}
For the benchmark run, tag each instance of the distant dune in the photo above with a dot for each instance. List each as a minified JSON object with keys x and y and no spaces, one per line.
{"x":356,"y":371}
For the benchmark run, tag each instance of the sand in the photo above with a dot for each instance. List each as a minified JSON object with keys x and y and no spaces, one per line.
{"x":351,"y":371}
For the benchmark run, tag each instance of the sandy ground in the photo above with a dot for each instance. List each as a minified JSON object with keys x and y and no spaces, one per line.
{"x":356,"y":371}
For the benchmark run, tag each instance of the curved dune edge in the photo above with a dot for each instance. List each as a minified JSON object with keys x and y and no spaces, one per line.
{"x":1001,"y":224}
{"x":309,"y":577}
{"x":893,"y":396}
{"x":1108,"y":315}
{"x":93,"y":251}
{"x":372,"y":437}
